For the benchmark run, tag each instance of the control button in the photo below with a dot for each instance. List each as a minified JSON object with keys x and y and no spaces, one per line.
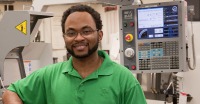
{"x":132,"y":24}
{"x":133,"y":67}
{"x":129,"y":52}
{"x":125,"y":24}
{"x":129,"y":37}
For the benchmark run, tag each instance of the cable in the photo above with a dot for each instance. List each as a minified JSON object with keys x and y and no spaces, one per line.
{"x":191,"y":11}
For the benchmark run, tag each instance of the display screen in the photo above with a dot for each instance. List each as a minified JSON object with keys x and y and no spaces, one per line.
{"x":157,"y":22}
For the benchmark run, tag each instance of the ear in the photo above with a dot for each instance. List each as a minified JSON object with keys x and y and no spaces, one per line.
{"x":64,"y":37}
{"x":100,"y":34}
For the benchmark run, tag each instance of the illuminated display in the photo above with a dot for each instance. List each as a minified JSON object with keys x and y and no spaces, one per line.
{"x":157,"y":22}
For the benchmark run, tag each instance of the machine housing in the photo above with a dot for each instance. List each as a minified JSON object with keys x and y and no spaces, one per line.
{"x":153,"y":38}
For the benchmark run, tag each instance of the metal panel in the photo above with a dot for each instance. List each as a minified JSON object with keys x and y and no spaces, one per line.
{"x":118,"y":2}
{"x":153,"y":55}
{"x":15,"y":32}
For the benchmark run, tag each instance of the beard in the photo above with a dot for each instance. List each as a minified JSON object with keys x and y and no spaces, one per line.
{"x":90,"y":51}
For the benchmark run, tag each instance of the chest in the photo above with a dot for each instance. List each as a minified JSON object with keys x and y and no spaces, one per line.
{"x":73,"y":90}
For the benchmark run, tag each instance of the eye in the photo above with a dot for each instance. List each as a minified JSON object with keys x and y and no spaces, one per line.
{"x":87,"y":31}
{"x":71,"y":33}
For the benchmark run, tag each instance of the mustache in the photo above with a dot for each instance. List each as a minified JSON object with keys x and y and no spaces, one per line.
{"x":79,"y":44}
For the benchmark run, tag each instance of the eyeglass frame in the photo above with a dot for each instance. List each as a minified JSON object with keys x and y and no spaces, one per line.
{"x":81,"y":32}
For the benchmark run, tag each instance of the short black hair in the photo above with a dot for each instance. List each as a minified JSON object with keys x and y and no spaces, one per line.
{"x":82,"y":8}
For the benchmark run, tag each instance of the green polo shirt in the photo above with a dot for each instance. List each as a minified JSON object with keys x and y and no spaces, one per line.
{"x":60,"y":83}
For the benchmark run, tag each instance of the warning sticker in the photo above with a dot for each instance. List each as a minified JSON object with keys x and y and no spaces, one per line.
{"x":22,"y":27}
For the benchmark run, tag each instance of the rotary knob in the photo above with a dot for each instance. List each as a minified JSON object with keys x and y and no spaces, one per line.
{"x":129,"y":52}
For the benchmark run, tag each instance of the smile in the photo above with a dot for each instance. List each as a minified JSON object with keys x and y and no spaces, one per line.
{"x":80,"y":46}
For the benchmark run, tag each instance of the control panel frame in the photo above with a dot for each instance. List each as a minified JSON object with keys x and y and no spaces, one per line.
{"x":128,"y":25}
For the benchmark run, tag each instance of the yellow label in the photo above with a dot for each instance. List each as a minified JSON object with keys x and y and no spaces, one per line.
{"x":22,"y":27}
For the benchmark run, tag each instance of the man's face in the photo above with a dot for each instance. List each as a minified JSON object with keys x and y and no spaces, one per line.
{"x":81,"y":46}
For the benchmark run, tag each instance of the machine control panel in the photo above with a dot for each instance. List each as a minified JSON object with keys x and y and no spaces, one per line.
{"x":153,"y":38}
{"x":128,"y":37}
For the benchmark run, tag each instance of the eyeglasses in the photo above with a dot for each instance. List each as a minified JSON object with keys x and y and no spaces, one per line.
{"x":83,"y":32}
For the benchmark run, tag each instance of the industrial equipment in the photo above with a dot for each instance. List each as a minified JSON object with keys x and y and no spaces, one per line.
{"x":17,"y":30}
{"x":153,"y":38}
{"x":154,"y":45}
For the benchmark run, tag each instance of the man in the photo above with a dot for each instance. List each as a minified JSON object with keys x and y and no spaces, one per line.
{"x":88,"y":77}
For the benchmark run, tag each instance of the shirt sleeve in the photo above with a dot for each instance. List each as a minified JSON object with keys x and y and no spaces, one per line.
{"x":30,"y":89}
{"x":135,"y":95}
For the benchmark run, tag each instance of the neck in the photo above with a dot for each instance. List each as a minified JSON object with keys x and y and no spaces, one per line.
{"x":87,"y":65}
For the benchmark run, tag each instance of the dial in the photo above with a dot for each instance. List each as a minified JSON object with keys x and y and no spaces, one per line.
{"x":129,"y":52}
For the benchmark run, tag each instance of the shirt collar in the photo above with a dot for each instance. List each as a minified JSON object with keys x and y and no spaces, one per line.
{"x":104,"y":69}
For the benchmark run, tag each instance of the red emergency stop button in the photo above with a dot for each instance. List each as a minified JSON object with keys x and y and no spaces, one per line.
{"x":133,"y":67}
{"x":132,"y":24}
{"x":129,"y":37}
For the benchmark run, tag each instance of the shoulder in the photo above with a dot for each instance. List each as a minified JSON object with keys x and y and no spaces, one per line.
{"x":111,"y":65}
{"x":59,"y":65}
{"x":124,"y":74}
{"x":118,"y":68}
{"x":119,"y":72}
{"x":55,"y":68}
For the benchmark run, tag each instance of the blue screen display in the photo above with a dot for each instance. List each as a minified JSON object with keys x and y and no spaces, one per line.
{"x":157,"y":22}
